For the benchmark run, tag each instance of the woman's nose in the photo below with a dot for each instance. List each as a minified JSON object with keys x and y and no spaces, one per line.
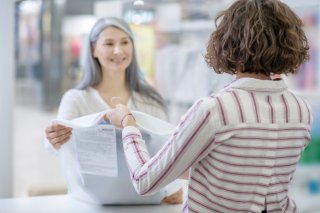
{"x":117,"y":49}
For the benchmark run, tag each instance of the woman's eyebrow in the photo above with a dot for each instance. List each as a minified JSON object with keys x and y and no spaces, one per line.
{"x":125,"y":38}
{"x":112,"y":39}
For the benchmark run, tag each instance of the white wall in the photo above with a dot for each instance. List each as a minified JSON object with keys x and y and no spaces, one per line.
{"x":6,"y":96}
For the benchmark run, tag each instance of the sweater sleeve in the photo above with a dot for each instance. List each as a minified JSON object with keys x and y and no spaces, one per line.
{"x":68,"y":109}
{"x":190,"y":141}
{"x":69,"y":106}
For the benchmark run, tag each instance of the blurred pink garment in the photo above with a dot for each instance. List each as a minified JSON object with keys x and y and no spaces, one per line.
{"x":242,"y":146}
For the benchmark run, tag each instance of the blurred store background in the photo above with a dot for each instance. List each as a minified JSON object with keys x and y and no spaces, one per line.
{"x":171,"y":36}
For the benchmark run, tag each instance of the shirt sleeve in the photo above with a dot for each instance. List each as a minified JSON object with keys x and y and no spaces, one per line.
{"x":68,"y":109}
{"x":189,"y":143}
{"x":69,"y":106}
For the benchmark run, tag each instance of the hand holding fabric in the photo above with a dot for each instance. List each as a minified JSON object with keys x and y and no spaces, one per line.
{"x":120,"y":115}
{"x":58,"y":134}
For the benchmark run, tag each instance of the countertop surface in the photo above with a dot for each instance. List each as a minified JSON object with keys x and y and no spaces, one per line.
{"x":65,"y":204}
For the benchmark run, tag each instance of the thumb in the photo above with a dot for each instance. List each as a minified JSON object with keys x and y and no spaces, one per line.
{"x":107,"y":115}
{"x":115,"y":101}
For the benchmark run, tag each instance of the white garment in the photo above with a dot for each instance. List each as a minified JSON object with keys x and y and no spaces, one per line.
{"x":89,"y":180}
{"x":77,"y":103}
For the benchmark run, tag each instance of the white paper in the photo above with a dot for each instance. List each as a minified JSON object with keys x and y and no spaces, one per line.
{"x":96,"y":150}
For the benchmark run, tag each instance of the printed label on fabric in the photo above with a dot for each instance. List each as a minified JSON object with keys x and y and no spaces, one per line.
{"x":97,"y":150}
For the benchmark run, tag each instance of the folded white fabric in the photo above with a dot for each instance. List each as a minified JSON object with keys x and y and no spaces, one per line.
{"x":108,"y":189}
{"x":145,"y":121}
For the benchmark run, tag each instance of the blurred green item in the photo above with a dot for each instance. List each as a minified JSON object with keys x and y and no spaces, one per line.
{"x":311,"y":154}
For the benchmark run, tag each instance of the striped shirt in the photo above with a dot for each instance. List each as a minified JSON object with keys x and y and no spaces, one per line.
{"x":242,"y":146}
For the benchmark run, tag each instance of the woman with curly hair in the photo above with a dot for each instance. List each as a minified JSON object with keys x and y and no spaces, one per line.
{"x":241,"y":145}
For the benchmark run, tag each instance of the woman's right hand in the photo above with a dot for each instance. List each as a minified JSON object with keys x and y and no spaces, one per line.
{"x":58,"y":135}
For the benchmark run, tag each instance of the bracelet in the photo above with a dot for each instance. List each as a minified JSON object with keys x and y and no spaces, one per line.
{"x":126,"y":116}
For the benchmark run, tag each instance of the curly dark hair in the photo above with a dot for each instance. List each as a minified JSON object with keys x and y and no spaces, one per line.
{"x":257,"y":36}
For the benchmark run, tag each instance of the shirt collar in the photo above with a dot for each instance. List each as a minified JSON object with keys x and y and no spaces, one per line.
{"x":253,"y":84}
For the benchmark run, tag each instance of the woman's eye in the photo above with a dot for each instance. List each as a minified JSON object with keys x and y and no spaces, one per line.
{"x":108,"y":44}
{"x":125,"y":42}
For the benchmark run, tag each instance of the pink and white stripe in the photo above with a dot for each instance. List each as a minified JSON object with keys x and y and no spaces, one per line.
{"x":242,"y":147}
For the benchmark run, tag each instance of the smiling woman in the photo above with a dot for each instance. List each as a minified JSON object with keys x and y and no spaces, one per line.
{"x":110,"y":70}
{"x":113,"y":50}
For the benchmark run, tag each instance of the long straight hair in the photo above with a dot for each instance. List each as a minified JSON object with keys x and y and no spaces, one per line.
{"x":92,"y":73}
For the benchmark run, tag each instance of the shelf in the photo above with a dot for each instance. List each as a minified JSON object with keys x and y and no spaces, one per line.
{"x":200,"y":25}
{"x":299,"y":3}
{"x":314,"y":95}
{"x":189,"y":26}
